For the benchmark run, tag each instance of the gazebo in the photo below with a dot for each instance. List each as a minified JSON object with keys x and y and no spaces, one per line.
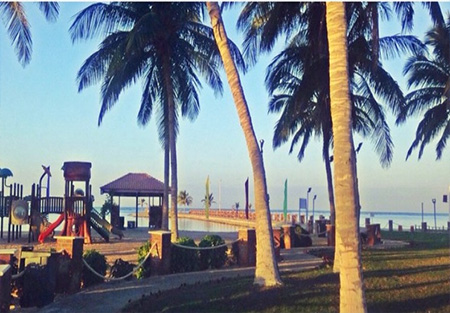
{"x":138,"y":185}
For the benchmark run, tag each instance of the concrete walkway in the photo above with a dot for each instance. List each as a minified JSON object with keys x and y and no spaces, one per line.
{"x":113,"y":296}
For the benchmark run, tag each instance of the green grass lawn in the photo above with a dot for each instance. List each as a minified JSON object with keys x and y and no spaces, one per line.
{"x":412,"y":279}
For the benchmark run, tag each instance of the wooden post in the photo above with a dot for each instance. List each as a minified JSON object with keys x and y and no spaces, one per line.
{"x":5,"y":287}
{"x":373,"y":234}
{"x":73,"y":246}
{"x":331,"y":235}
{"x":391,"y":225}
{"x":247,"y":247}
{"x":277,"y":242}
{"x":424,"y":226}
{"x":400,"y":228}
{"x":289,"y":233}
{"x":7,"y":256}
{"x":161,"y":253}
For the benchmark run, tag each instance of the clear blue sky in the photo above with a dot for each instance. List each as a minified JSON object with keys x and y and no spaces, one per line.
{"x":44,"y":120}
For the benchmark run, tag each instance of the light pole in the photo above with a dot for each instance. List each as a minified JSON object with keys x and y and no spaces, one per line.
{"x":434,"y":208}
{"x":314,"y":200}
{"x":307,"y":205}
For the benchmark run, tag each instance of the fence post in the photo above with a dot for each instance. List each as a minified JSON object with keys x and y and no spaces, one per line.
{"x":73,"y":246}
{"x":331,"y":235}
{"x":247,"y":247}
{"x":289,"y":233}
{"x":391,"y":225}
{"x":424,"y":226}
{"x":162,"y":253}
{"x":5,"y":287}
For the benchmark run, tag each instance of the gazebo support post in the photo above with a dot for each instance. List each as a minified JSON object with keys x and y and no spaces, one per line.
{"x":136,"y":216}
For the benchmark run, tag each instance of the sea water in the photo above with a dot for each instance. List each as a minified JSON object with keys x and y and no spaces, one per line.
{"x":405,"y":219}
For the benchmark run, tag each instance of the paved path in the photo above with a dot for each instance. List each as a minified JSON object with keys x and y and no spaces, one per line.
{"x":113,"y":296}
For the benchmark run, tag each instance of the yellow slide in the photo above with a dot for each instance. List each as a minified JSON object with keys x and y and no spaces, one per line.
{"x":106,"y":225}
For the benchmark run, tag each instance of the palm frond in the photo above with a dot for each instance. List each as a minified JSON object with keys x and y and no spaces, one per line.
{"x":405,"y":11}
{"x":396,"y":46}
{"x":18,"y":30}
{"x":50,"y":10}
{"x":101,"y":18}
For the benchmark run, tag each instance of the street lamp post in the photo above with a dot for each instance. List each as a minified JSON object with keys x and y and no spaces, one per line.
{"x":434,"y":208}
{"x":314,"y":200}
{"x":307,"y":205}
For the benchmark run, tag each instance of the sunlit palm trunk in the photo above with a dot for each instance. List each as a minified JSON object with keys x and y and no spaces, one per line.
{"x":352,"y":297}
{"x":266,"y":273}
{"x":174,"y":179}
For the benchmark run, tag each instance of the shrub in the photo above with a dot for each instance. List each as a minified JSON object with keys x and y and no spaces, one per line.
{"x":36,"y":288}
{"x":121,"y":268}
{"x":184,"y":260}
{"x":144,"y":270}
{"x":212,"y":258}
{"x":98,"y":263}
{"x":302,"y":238}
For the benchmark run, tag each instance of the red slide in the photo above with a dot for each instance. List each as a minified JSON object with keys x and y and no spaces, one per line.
{"x":49,"y":229}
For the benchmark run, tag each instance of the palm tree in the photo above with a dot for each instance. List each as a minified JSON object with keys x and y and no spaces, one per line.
{"x":18,"y":28}
{"x":296,"y":74}
{"x":266,"y":272}
{"x":184,"y":198}
{"x":209,"y":199}
{"x":164,"y":44}
{"x":300,"y":90}
{"x":351,"y":295}
{"x":429,"y":77}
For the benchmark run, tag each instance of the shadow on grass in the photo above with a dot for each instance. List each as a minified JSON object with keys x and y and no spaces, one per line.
{"x":433,"y":283}
{"x":316,"y":294}
{"x":407,"y":254}
{"x":405,"y":271}
{"x":435,"y":303}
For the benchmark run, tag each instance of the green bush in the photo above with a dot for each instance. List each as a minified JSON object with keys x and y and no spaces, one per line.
{"x":98,"y":263}
{"x":212,"y":258}
{"x":184,"y":260}
{"x":144,"y":270}
{"x":121,"y":268}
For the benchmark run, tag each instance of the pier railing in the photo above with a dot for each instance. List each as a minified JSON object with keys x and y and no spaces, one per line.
{"x":276,"y":217}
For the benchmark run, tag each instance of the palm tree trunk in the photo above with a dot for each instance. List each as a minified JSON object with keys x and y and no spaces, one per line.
{"x":352,"y":297}
{"x":172,"y":147}
{"x":174,"y":177}
{"x":326,"y":156}
{"x":266,"y":272}
{"x":165,"y":204}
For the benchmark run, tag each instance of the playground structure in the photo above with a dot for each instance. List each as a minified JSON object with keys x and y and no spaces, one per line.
{"x":75,"y":208}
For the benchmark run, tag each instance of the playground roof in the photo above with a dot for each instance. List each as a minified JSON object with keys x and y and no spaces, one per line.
{"x":134,"y":185}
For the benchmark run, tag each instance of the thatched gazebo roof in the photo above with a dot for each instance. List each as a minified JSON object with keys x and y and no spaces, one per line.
{"x":134,"y":185}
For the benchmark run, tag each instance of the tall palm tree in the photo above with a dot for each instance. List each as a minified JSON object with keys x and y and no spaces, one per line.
{"x":184,"y":198}
{"x":18,"y":27}
{"x":296,"y":80}
{"x":429,"y":77}
{"x":351,"y":295}
{"x":166,"y":45}
{"x":266,"y":272}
